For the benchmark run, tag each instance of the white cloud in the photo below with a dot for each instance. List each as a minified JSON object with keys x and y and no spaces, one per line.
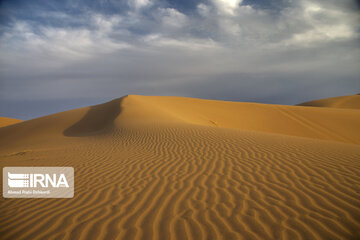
{"x":64,"y":43}
{"x":203,"y":9}
{"x":160,"y":41}
{"x":141,"y":51}
{"x":138,"y":4}
{"x":227,"y":6}
{"x":320,"y":34}
{"x":324,"y":24}
{"x":105,"y":24}
{"x":172,"y":18}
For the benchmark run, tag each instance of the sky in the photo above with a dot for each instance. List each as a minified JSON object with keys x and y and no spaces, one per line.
{"x":60,"y":55}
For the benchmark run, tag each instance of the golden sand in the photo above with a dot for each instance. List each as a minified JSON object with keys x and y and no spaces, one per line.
{"x":351,"y":101}
{"x":4,"y":121}
{"x":184,"y":168}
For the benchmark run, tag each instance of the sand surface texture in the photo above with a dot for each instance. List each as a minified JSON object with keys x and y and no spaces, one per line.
{"x":183,"y":168}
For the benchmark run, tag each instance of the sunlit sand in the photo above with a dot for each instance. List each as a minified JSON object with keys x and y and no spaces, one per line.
{"x":186,"y":168}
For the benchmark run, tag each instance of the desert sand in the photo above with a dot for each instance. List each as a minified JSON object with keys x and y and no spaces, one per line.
{"x":4,"y":121}
{"x":185,"y":168}
{"x":351,"y":101}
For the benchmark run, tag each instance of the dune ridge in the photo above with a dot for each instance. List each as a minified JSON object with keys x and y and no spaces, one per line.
{"x":182,"y":168}
{"x":134,"y":110}
{"x":350,"y":101}
{"x":4,"y":121}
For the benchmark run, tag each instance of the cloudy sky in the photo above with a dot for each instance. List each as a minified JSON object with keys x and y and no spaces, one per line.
{"x":58,"y":55}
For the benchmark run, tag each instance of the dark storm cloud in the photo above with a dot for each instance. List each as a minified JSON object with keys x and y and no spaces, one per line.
{"x":65,"y":54}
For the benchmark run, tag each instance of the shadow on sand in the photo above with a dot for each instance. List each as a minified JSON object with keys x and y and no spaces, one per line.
{"x":97,"y":120}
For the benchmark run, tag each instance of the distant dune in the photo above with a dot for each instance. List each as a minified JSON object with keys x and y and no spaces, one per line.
{"x":351,"y":101}
{"x":185,"y":168}
{"x":4,"y":121}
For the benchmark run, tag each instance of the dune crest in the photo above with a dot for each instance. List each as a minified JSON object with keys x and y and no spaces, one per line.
{"x":184,"y":168}
{"x":325,"y":124}
{"x":134,"y":110}
{"x":4,"y":121}
{"x":351,"y":101}
{"x":98,"y":119}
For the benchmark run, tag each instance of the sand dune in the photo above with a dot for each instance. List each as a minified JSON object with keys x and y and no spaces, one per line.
{"x":351,"y":101}
{"x":4,"y":121}
{"x":183,"y":168}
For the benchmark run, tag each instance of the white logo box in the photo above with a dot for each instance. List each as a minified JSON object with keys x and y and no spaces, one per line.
{"x":38,"y":182}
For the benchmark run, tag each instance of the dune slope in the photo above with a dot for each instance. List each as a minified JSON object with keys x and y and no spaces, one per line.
{"x":181,"y":168}
{"x":4,"y":121}
{"x":351,"y":101}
